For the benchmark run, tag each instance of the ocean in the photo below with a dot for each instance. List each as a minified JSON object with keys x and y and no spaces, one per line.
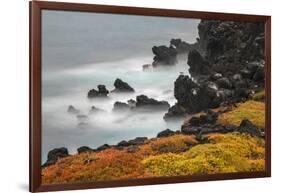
{"x":81,"y":50}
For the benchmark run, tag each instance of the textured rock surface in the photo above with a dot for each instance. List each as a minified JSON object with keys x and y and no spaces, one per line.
{"x":194,"y":97}
{"x":183,"y":47}
{"x":197,"y":63}
{"x":143,"y":101}
{"x":84,"y":149}
{"x":121,"y":86}
{"x":54,"y":155}
{"x":164,"y":56}
{"x":226,"y":66}
{"x":101,"y":92}
{"x":247,"y":126}
{"x":165,"y":133}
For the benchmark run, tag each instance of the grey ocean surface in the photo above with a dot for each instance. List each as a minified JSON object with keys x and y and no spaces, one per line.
{"x":82,"y":50}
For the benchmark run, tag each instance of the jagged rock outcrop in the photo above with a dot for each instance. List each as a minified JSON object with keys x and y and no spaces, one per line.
{"x":123,"y":143}
{"x":103,"y":147}
{"x":54,"y":155}
{"x":207,"y":123}
{"x":101,"y":92}
{"x":183,"y":47}
{"x":132,"y":103}
{"x":237,"y":41}
{"x":84,"y":149}
{"x":143,"y":102}
{"x":194,"y":97}
{"x":121,"y":86}
{"x":229,"y":49}
{"x":132,"y":142}
{"x":229,"y":46}
{"x":166,"y":133}
{"x":223,"y":67}
{"x":174,"y":112}
{"x":224,"y":82}
{"x":246,"y":126}
{"x":138,"y":141}
{"x":164,"y":56}
{"x":210,"y":117}
{"x":197,"y":64}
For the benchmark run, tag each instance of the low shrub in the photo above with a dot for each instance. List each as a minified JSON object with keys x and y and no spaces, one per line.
{"x":167,"y":156}
{"x":226,"y":153}
{"x":110,"y":164}
{"x":252,"y":110}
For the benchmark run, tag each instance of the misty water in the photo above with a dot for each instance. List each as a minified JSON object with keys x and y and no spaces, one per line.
{"x":83,"y":50}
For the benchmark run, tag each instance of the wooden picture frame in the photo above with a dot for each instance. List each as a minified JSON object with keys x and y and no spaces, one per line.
{"x":36,"y":8}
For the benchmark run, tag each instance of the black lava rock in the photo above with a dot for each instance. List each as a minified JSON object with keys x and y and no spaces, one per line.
{"x":121,"y":86}
{"x":165,"y":133}
{"x":197,"y":63}
{"x":123,"y":143}
{"x":164,"y":56}
{"x":54,"y":155}
{"x":143,"y":101}
{"x":138,"y":141}
{"x":174,"y":112}
{"x":103,"y":147}
{"x":194,"y":97}
{"x":84,"y":149}
{"x":246,"y":126}
{"x":101,"y":92}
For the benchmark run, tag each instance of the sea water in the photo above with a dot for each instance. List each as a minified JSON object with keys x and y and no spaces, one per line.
{"x":83,"y":50}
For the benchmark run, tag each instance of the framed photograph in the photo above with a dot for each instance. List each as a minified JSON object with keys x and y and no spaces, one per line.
{"x":126,"y":96}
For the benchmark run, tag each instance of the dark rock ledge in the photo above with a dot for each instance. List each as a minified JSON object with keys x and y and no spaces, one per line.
{"x":54,"y":155}
{"x":198,"y":126}
{"x":206,"y":123}
{"x":101,"y":92}
{"x":226,"y":66}
{"x":121,"y":86}
{"x":164,"y":56}
{"x":142,"y":102}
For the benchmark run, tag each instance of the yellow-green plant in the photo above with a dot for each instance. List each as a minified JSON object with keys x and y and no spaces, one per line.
{"x":252,"y":110}
{"x":167,"y":156}
{"x":259,"y":96}
{"x":226,"y":153}
{"x":172,"y":144}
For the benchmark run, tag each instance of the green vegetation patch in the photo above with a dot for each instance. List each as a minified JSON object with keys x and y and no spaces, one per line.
{"x":252,"y":110}
{"x":259,"y":96}
{"x":226,"y":153}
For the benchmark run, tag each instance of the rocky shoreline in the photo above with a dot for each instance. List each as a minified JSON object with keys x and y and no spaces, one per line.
{"x":226,"y":67}
{"x":199,"y":126}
